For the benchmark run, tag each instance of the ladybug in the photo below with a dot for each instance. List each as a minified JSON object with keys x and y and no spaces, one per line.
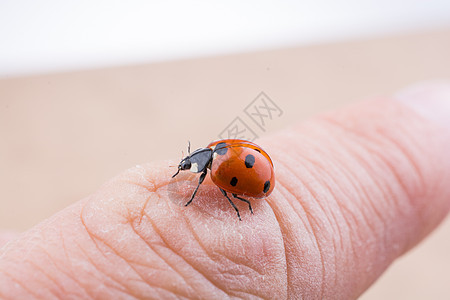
{"x":238,"y":167}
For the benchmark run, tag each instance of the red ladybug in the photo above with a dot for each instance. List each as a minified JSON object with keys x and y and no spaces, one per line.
{"x":238,"y":167}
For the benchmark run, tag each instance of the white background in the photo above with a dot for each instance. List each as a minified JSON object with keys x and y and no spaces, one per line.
{"x":48,"y":35}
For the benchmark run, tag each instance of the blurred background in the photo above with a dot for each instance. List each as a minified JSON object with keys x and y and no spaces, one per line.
{"x":90,"y":88}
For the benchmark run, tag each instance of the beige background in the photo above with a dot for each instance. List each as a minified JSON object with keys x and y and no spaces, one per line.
{"x":62,"y":135}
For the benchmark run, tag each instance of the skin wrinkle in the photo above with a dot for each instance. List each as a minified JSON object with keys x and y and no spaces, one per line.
{"x":55,"y":265}
{"x":397,"y":175}
{"x":248,"y":293}
{"x":351,"y":242}
{"x":130,"y":219}
{"x":240,"y":292}
{"x":361,"y":189}
{"x":93,"y":237}
{"x":378,"y":153}
{"x":308,"y":226}
{"x":22,"y":285}
{"x":70,"y":263}
{"x":198,"y":240}
{"x":90,"y":235}
{"x":253,"y":269}
{"x":283,"y":243}
{"x":346,"y":212}
{"x":377,"y":213}
{"x":320,"y":251}
{"x":152,"y":188}
{"x":397,"y":204}
{"x":130,"y":291}
{"x":180,"y":256}
{"x":306,"y":160}
{"x":385,"y":189}
{"x":333,"y":221}
{"x":392,"y":199}
{"x":142,"y":211}
{"x":213,"y":259}
{"x":91,"y":261}
{"x":288,"y":268}
{"x":147,"y":197}
{"x":173,"y":268}
{"x":239,"y":264}
{"x":218,"y":254}
{"x":386,"y":184}
{"x":351,"y":179}
{"x":338,"y":225}
{"x":420,"y":180}
{"x":373,"y":139}
{"x":310,"y":219}
{"x":215,"y":284}
{"x":196,"y":237}
{"x":319,"y":178}
{"x":34,"y":265}
{"x":372,"y":145}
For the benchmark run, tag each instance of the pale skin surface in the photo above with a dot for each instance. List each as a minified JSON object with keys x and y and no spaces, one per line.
{"x":355,"y":189}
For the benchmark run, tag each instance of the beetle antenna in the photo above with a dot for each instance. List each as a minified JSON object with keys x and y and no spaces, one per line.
{"x":178,"y":171}
{"x":189,"y":147}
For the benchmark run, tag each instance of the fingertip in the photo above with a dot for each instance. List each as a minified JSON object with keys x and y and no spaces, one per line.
{"x":373,"y":178}
{"x":430,"y":99}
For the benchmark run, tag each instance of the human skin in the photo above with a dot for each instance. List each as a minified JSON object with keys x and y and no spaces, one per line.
{"x":355,"y":189}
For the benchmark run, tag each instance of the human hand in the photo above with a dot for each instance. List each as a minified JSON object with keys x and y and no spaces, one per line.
{"x":355,"y":190}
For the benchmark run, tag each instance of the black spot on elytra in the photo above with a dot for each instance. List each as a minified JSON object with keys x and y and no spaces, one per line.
{"x":266,"y":186}
{"x":249,"y":161}
{"x":221,"y":148}
{"x":233,"y":181}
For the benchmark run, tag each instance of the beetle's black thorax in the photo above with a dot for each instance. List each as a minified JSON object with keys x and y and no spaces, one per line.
{"x":200,"y":159}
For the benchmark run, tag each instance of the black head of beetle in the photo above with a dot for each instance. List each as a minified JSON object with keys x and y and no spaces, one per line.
{"x":198,"y":161}
{"x":184,"y":164}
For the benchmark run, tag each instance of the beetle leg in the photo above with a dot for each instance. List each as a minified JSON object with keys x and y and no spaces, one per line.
{"x":200,"y":180}
{"x":232,"y":204}
{"x":245,"y":200}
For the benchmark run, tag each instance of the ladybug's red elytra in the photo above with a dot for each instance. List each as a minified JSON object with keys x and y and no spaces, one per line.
{"x":238,"y":167}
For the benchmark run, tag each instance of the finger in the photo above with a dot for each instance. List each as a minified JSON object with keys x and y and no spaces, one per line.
{"x":129,"y":238}
{"x":368,"y":182}
{"x":354,"y":190}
